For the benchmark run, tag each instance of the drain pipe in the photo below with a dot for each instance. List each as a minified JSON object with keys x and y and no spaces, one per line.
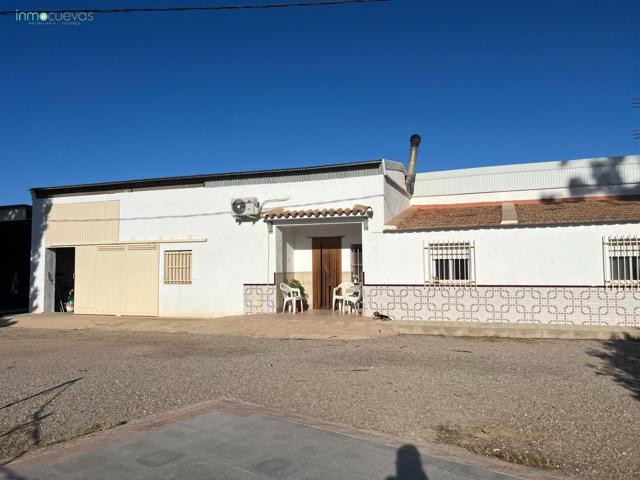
{"x":410,"y":179}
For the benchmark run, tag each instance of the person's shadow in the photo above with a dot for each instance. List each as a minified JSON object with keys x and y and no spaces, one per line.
{"x":408,"y":464}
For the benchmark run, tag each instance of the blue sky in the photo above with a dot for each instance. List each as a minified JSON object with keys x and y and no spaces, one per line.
{"x":149,"y":95}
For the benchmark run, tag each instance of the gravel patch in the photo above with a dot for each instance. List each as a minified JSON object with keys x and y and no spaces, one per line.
{"x":572,"y":405}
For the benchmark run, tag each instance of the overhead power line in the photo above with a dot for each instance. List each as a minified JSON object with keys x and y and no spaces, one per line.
{"x":636,"y":104}
{"x":265,"y":6}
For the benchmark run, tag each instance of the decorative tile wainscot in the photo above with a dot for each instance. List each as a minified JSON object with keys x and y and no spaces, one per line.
{"x":552,"y":305}
{"x":259,"y":298}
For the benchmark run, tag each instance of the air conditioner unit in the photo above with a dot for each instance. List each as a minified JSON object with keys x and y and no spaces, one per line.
{"x":247,"y":207}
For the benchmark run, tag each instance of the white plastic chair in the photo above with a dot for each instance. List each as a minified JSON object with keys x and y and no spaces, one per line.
{"x":290,"y":295}
{"x":342,"y":288}
{"x":352,"y":298}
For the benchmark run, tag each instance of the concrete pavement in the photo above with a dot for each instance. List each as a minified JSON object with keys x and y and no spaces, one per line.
{"x":516,"y":330}
{"x":230,"y":441}
{"x":310,"y":325}
{"x":315,"y":325}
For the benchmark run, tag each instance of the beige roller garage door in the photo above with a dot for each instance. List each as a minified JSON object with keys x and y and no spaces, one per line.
{"x":117,"y":279}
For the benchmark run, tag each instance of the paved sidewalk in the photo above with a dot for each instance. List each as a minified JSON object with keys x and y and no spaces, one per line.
{"x":228,"y":441}
{"x":311,"y":325}
{"x":516,"y":330}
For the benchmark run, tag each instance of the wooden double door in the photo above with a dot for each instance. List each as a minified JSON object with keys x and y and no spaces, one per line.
{"x":327,"y":269}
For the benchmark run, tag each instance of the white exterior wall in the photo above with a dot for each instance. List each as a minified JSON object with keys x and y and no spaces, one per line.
{"x":544,"y":274}
{"x":237,"y":254}
{"x":233,"y":254}
{"x":395,"y":199}
{"x":373,"y":239}
{"x":36,"y":258}
{"x":558,"y":255}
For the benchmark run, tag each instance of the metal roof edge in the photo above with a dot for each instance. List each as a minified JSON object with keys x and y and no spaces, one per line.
{"x":16,"y":205}
{"x":524,"y":167}
{"x":394,"y":165}
{"x":187,"y":180}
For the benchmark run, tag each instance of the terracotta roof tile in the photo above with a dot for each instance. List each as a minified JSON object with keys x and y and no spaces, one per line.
{"x":356,"y":210}
{"x":429,"y":217}
{"x":576,"y":211}
{"x":555,"y":212}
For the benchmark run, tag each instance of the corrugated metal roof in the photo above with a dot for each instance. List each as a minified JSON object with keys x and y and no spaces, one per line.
{"x":294,"y":177}
{"x":606,"y":171}
{"x":370,"y":167}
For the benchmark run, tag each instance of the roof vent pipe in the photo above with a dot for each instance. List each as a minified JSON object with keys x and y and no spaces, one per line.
{"x":410,"y":180}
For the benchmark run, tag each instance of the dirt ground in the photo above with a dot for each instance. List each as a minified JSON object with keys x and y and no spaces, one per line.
{"x":561,"y":404}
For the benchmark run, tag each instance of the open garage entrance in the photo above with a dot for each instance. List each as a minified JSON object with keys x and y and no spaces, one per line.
{"x":59,"y":290}
{"x":61,"y":264}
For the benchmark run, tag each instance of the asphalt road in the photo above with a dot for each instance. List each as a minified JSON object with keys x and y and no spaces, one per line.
{"x":571,"y":405}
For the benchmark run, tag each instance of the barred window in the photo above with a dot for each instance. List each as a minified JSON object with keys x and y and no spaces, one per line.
{"x":449,"y":263}
{"x":356,"y":263}
{"x":177,"y":266}
{"x":622,"y":261}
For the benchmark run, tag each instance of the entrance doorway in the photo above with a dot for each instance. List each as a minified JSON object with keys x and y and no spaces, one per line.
{"x":60,"y":266}
{"x":327,"y":269}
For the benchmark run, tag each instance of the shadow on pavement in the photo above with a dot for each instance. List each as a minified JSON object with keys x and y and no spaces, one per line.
{"x":408,"y":464}
{"x":35,"y":424}
{"x":622,"y":362}
{"x":6,"y":322}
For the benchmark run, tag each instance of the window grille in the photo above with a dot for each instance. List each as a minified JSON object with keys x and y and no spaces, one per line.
{"x":356,"y":263}
{"x":449,"y":263}
{"x":177,"y":266}
{"x":622,"y":261}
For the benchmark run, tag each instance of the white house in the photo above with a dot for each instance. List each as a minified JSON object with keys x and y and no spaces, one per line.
{"x":555,"y":242}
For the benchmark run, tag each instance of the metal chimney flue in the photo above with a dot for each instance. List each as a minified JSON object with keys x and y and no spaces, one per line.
{"x":410,"y":180}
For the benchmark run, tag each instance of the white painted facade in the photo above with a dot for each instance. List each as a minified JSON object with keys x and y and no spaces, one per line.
{"x":541,"y":256}
{"x":227,"y":255}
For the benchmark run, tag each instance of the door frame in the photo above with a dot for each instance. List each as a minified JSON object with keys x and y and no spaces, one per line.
{"x":326,"y":269}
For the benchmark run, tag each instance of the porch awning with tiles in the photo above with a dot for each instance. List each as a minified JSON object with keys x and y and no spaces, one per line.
{"x":355,"y":211}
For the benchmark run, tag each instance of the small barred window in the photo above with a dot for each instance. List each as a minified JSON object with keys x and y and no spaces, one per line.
{"x":177,"y":266}
{"x":356,"y":263}
{"x":449,"y":263}
{"x":622,"y":261}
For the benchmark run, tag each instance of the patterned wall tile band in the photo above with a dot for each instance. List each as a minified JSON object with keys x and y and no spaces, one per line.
{"x":551,"y":305}
{"x":259,"y":299}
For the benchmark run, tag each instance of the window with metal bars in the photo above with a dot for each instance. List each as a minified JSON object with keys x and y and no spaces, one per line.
{"x":177,"y":266}
{"x":356,"y":263}
{"x":622,"y":261}
{"x":449,"y":263}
